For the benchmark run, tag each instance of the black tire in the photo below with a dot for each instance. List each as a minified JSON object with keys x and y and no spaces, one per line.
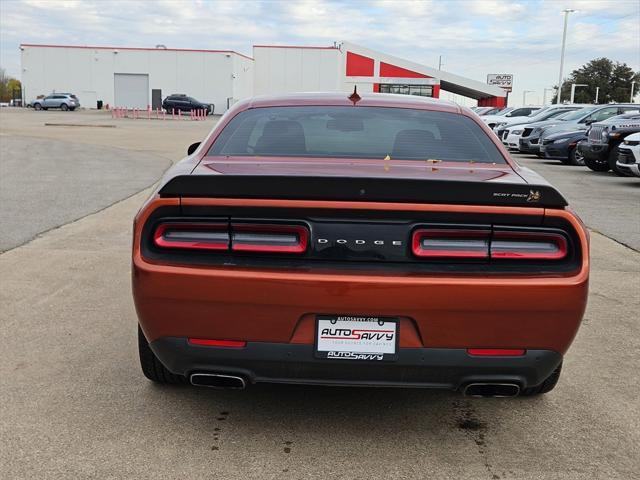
{"x":37,"y":106}
{"x":151,"y":366}
{"x":612,"y":160}
{"x":596,"y":165}
{"x":576,"y":157}
{"x":64,"y":107}
{"x":545,"y":387}
{"x":72,"y":109}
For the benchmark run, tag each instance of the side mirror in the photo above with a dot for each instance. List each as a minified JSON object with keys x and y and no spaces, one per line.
{"x":192,"y":148}
{"x":589,"y":121}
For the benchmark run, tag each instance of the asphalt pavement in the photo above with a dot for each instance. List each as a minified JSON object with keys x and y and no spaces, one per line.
{"x":74,"y":404}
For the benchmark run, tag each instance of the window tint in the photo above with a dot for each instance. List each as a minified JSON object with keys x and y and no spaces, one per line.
{"x":355,"y":132}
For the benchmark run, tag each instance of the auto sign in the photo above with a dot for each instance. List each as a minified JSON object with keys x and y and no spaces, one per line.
{"x":504,"y":80}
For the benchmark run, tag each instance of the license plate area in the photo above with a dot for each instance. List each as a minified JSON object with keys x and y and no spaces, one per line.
{"x":363,"y":338}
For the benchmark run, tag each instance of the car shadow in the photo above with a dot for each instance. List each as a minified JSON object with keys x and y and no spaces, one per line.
{"x":345,"y":414}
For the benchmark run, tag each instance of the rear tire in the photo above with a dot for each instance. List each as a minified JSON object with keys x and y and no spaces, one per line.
{"x":151,"y":366}
{"x":64,"y":107}
{"x":545,"y":387}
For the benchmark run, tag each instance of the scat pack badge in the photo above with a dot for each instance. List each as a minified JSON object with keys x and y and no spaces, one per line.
{"x":534,"y":196}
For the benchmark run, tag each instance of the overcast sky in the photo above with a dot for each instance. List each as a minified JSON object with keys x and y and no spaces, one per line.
{"x":475,"y":37}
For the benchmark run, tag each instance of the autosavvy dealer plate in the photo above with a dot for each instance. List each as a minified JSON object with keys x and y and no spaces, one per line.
{"x":346,"y":337}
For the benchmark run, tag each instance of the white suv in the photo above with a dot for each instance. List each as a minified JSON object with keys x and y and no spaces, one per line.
{"x":63,"y":101}
{"x":629,"y":155}
{"x":494,"y":120}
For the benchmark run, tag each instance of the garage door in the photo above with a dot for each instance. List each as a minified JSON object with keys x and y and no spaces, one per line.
{"x":131,"y":90}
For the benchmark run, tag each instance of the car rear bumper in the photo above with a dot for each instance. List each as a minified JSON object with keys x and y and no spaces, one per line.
{"x":444,"y":368}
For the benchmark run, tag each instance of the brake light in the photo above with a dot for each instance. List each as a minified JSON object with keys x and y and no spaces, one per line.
{"x":269,"y":238}
{"x":451,"y":243}
{"x":528,"y":245}
{"x":238,"y":237}
{"x":496,"y":352}
{"x":198,"y":236}
{"x":486,"y":244}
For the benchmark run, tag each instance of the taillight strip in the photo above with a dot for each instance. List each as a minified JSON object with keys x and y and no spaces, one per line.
{"x":451,"y":243}
{"x":269,"y":238}
{"x":528,"y":245}
{"x":195,"y":236}
{"x":487,"y":244}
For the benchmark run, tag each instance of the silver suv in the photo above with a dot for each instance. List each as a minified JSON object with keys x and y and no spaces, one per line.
{"x":63,"y":101}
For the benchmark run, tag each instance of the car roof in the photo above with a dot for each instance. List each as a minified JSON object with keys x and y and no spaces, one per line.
{"x":342,"y":99}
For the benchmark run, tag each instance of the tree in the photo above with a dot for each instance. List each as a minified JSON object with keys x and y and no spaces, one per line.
{"x":10,"y":88}
{"x":613,"y":78}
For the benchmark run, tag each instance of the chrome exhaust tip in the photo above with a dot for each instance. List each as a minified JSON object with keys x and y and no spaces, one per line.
{"x":496,"y":390}
{"x":218,"y":380}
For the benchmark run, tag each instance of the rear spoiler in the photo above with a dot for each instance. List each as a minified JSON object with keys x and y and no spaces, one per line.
{"x":364,"y":189}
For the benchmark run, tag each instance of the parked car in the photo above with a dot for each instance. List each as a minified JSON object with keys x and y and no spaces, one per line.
{"x":504,"y":117}
{"x":179,"y":102}
{"x":511,"y":133}
{"x":577,"y":120}
{"x":63,"y":101}
{"x":487,"y":110}
{"x":629,"y":155}
{"x":257,"y":260}
{"x":601,"y":149}
{"x":562,"y":146}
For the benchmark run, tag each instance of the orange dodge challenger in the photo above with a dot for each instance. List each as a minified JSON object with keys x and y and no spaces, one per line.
{"x":374,"y":240}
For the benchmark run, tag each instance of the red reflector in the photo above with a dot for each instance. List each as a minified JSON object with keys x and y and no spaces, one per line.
{"x":528,"y":245}
{"x":496,"y":352}
{"x":217,"y":343}
{"x":199,"y":236}
{"x":450,"y":243}
{"x":269,"y":238}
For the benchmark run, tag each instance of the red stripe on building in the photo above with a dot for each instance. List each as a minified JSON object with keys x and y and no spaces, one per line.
{"x":388,"y":70}
{"x":435,"y":92}
{"x":359,"y":65}
{"x":492,"y":102}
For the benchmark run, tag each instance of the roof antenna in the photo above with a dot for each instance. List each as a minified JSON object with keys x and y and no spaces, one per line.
{"x":354,"y":97}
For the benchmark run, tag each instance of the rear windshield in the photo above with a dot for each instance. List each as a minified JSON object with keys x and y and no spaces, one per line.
{"x":355,"y":132}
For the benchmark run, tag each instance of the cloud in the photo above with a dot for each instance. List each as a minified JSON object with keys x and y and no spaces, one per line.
{"x":475,"y":37}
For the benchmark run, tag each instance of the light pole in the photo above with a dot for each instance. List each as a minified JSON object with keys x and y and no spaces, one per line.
{"x":524,"y":96}
{"x":566,"y":11}
{"x":632,"y":85}
{"x":573,"y":89}
{"x":597,"y":92}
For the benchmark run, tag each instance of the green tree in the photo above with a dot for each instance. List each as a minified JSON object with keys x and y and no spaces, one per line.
{"x":613,"y":78}
{"x":9,"y":87}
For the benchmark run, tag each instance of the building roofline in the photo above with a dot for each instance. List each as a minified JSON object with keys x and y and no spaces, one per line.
{"x":311,"y":47}
{"x":91,"y":47}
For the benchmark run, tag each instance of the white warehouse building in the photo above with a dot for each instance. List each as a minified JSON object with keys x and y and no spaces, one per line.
{"x":127,"y":77}
{"x":142,"y":77}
